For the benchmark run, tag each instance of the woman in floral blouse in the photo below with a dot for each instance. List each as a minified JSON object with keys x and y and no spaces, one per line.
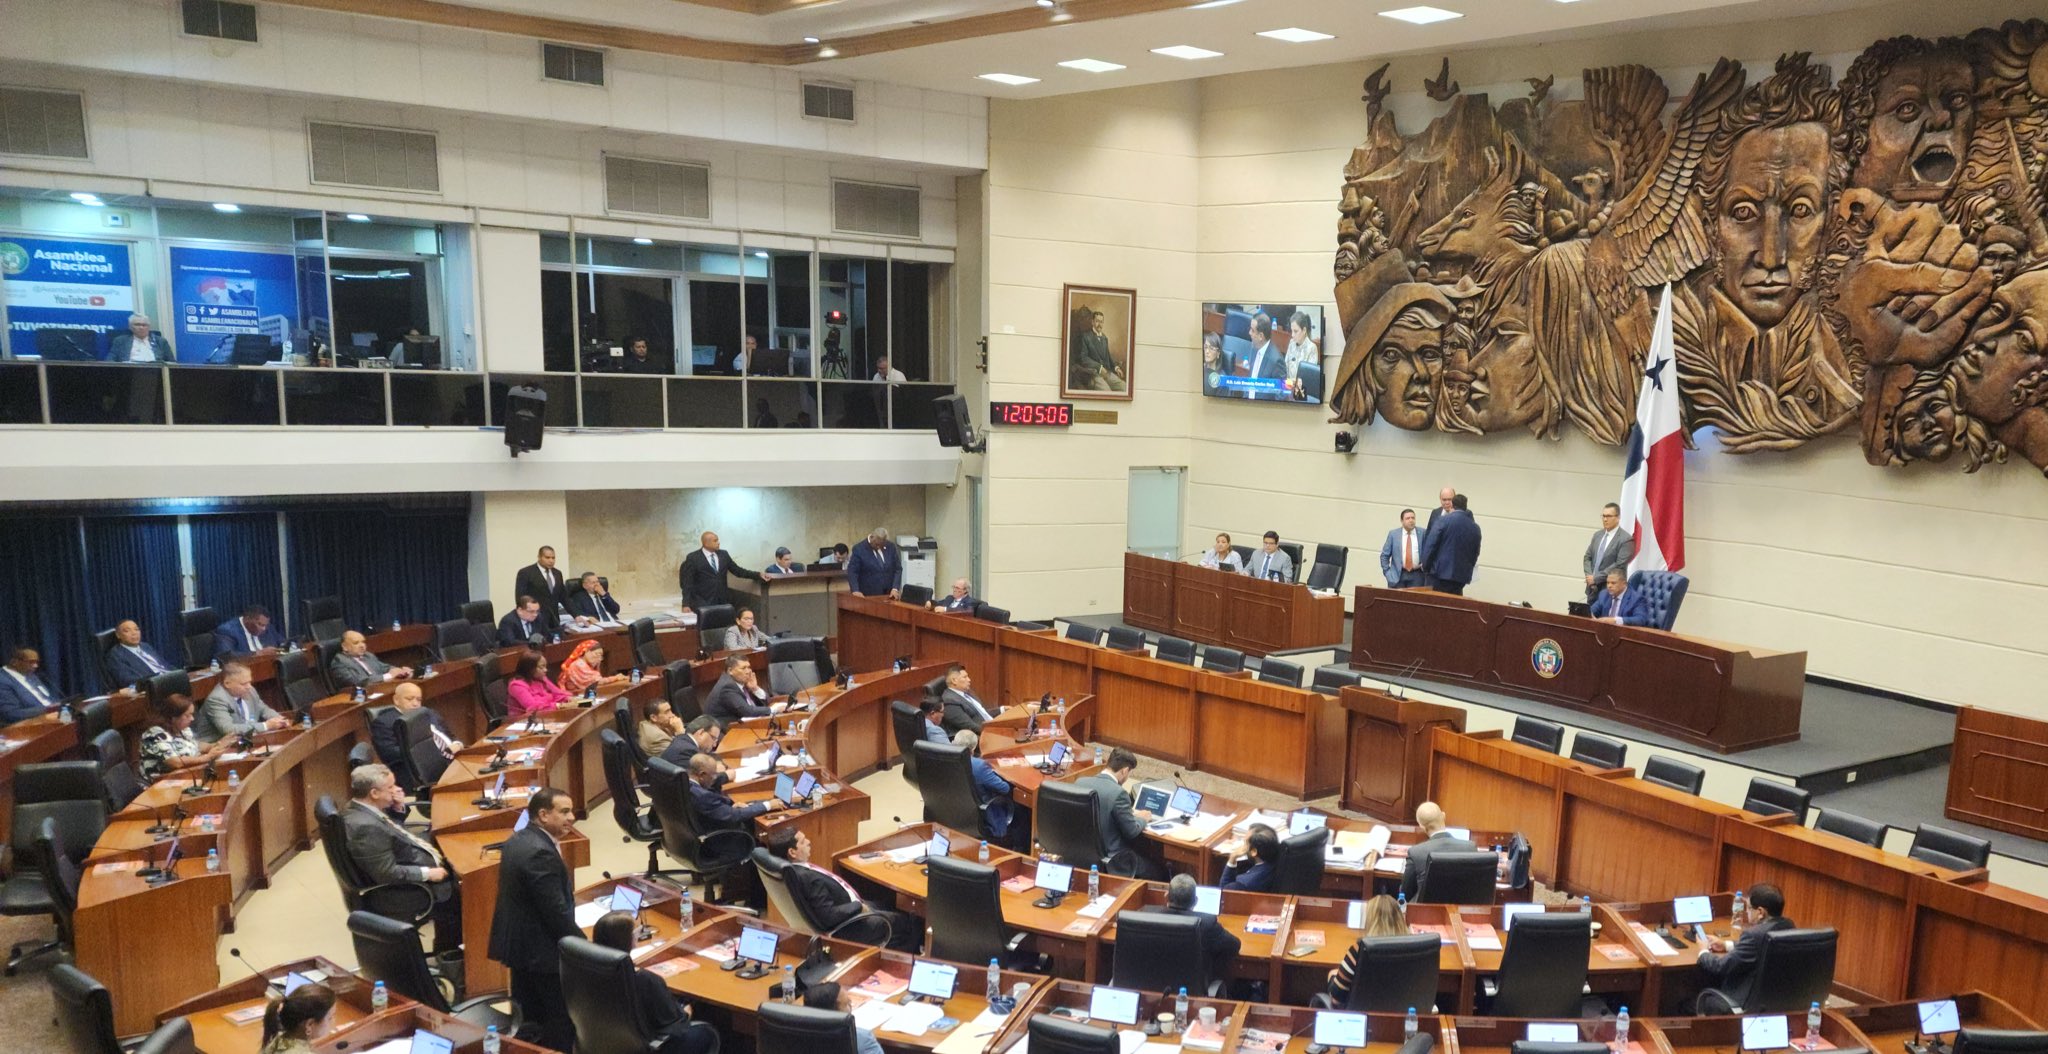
{"x":168,"y":744}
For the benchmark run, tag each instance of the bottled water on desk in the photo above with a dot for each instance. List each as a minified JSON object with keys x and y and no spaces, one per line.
{"x":306,"y":717}
{"x":493,"y":1043}
{"x":216,"y":665}
{"x":984,"y":851}
{"x":1812,"y":1027}
{"x":995,"y":981}
{"x":1095,"y":885}
{"x":1180,"y":1012}
{"x":212,"y":861}
{"x":379,"y":998}
{"x":1401,"y":902}
{"x":688,"y":910}
{"x":234,"y":780}
{"x":789,"y":982}
{"x":395,"y":625}
{"x":64,"y":714}
{"x":1621,"y":1031}
{"x":1100,"y":754}
{"x":1408,"y":1026}
{"x":1738,"y":911}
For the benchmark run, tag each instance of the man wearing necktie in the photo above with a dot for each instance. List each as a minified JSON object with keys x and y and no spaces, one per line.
{"x":1401,"y":554}
{"x":388,"y":852}
{"x":542,"y":581}
{"x":130,"y":658}
{"x":1271,"y":562}
{"x":355,"y":667}
{"x":23,"y":693}
{"x":537,"y":908}
{"x":246,"y":635}
{"x":963,"y":710}
{"x":1619,"y":604}
{"x":521,"y":624}
{"x":828,"y":901}
{"x":701,"y":577}
{"x":1610,"y":547}
{"x":234,"y":708}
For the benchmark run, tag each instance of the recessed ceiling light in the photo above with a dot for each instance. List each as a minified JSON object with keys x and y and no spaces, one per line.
{"x":80,"y":195}
{"x":643,"y":241}
{"x":1421,"y":16}
{"x":1010,"y":79}
{"x":1213,"y":3}
{"x":357,"y":217}
{"x":761,"y":254}
{"x":1091,"y":65}
{"x":810,"y":40}
{"x":222,"y":206}
{"x":1296,"y":36}
{"x":1187,"y":51}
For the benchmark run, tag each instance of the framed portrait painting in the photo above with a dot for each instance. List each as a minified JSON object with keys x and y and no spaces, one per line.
{"x":1098,"y":345}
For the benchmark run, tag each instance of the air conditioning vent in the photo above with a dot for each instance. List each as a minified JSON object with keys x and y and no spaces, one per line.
{"x":874,"y":208}
{"x":560,"y":62}
{"x":657,"y":188}
{"x":828,"y":102}
{"x":358,"y":155}
{"x":42,"y":123}
{"x":220,"y":18}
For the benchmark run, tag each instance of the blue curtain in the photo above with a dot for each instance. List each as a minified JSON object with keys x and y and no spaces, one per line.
{"x":234,"y":558}
{"x":384,"y":564}
{"x":42,"y":598}
{"x":131,"y":571}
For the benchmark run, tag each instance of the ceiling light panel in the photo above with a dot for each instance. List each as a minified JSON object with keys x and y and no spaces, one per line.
{"x":1421,"y":16}
{"x":1187,"y":51}
{"x":1293,"y":35}
{"x":1091,"y":65}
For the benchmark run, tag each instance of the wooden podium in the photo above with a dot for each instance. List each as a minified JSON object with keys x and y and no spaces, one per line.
{"x":801,"y":603}
{"x":1998,"y":772}
{"x":1252,"y":615}
{"x":1386,"y":751}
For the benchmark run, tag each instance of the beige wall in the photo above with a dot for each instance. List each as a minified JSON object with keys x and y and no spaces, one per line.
{"x":506,"y":530}
{"x":1928,"y":582}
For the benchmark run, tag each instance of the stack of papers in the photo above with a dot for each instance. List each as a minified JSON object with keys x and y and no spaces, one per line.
{"x":1096,"y":907}
{"x":878,"y":1015}
{"x":1275,"y":820}
{"x":1658,"y":946}
{"x":588,"y":914}
{"x":974,"y":1036}
{"x":879,"y":985}
{"x":905,"y":854}
{"x":1193,"y":828}
{"x":1481,"y":937}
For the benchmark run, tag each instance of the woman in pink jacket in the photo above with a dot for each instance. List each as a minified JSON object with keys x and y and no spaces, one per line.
{"x":530,"y":692}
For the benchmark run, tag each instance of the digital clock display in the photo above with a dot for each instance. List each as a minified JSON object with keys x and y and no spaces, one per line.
{"x":1053,"y":414}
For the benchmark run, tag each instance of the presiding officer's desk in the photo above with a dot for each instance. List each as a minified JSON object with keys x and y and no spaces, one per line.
{"x":1253,"y":615}
{"x":1725,"y":697}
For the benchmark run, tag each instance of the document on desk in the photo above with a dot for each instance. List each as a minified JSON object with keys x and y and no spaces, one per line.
{"x":974,"y":1036}
{"x":588,"y":914}
{"x":1658,"y":946}
{"x":913,"y":1019}
{"x":1194,"y":828}
{"x":1096,"y":907}
{"x":1482,"y":937}
{"x":1350,"y":848}
{"x":1276,"y":821}
{"x":871,"y":1014}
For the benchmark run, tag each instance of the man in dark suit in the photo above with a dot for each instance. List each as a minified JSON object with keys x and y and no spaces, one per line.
{"x":522,"y":624}
{"x":702,"y":574}
{"x":1430,"y":817}
{"x":1619,"y":604}
{"x":1609,"y":548}
{"x":1220,"y":944}
{"x":1443,"y":505}
{"x":139,"y":344}
{"x":874,"y":568}
{"x":738,"y":694}
{"x":389,"y":739}
{"x":963,"y":708}
{"x":829,"y":901}
{"x":1120,"y":824}
{"x":388,"y":853}
{"x":535,"y":910}
{"x":700,"y":736}
{"x":715,"y":810}
{"x":959,"y":599}
{"x":543,"y":582}
{"x":1734,"y":969}
{"x":1450,"y":553}
{"x":355,"y":667}
{"x":23,"y":693}
{"x":131,"y":659}
{"x":250,"y":633}
{"x":590,"y":601}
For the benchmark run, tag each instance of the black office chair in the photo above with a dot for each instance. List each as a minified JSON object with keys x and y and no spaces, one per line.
{"x":1084,"y":633}
{"x":1677,"y":775}
{"x":361,"y":754}
{"x":1332,"y":680}
{"x":2000,"y":1041}
{"x":946,"y":782}
{"x":406,"y":902}
{"x":1298,"y":870}
{"x":171,"y":1037}
{"x":935,"y":688}
{"x":85,"y":1010}
{"x":793,"y":665}
{"x":623,"y":724}
{"x":169,"y":683}
{"x":454,"y":640}
{"x":1768,"y":797}
{"x":1599,"y":750}
{"x":480,"y":613}
{"x":196,"y":626}
{"x":323,"y":618}
{"x":679,"y":684}
{"x":1244,"y":554}
{"x":1159,"y":952}
{"x":1950,"y":849}
{"x":707,"y":857}
{"x":604,"y":1003}
{"x":1124,"y":638}
{"x":93,"y":717}
{"x":1222,"y":660}
{"x":1543,"y":965}
{"x":639,"y":826}
{"x":1458,"y":878}
{"x":70,"y":793}
{"x":1796,"y":970}
{"x":1854,"y":828}
{"x":907,"y":722}
{"x":1067,"y":826}
{"x":295,"y":676}
{"x":1327,"y":572}
{"x":1174,"y":649}
{"x":712,"y":622}
{"x":964,"y":911}
{"x":491,"y":687}
{"x":915,"y":594}
{"x":1057,"y":1035}
{"x":103,"y":644}
{"x":423,"y":753}
{"x":61,"y":875}
{"x":790,"y":1028}
{"x":992,"y":613}
{"x":324,"y":652}
{"x":1393,"y":974}
{"x":638,"y":632}
{"x":1280,"y":671}
{"x":388,"y":950}
{"x":117,"y":775}
{"x":866,"y":927}
{"x":1543,"y":735}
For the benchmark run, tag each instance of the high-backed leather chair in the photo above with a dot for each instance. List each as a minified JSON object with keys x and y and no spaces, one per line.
{"x":793,"y":665}
{"x":1294,"y":553}
{"x":1663,"y":592}
{"x":196,"y":626}
{"x":712,"y":622}
{"x":406,"y":902}
{"x":907,"y":722}
{"x":1298,"y":870}
{"x":1543,"y":735}
{"x":1796,"y":970}
{"x":677,"y":681}
{"x":912,"y":593}
{"x":1160,"y":952}
{"x":1458,"y":878}
{"x":946,"y":782}
{"x":964,"y":911}
{"x":1950,"y":849}
{"x":454,"y":641}
{"x":1543,"y":964}
{"x":1084,"y":633}
{"x":103,"y":654}
{"x":171,"y":1037}
{"x":295,"y":676}
{"x":479,"y":612}
{"x":388,"y":950}
{"x":1222,"y":660}
{"x":639,"y":826}
{"x":117,"y":774}
{"x":788,"y":1028}
{"x":1280,"y":671}
{"x":422,"y":752}
{"x":70,"y":793}
{"x":1327,"y":572}
{"x":61,"y":875}
{"x":1124,"y":638}
{"x":709,"y":856}
{"x":85,"y":1010}
{"x":2000,"y":1041}
{"x":1599,"y":750}
{"x":1767,"y":797}
{"x":866,"y":927}
{"x":1331,"y":680}
{"x":604,"y":1003}
{"x":1675,"y":774}
{"x":1067,"y":824}
{"x":992,"y":613}
{"x":1174,"y":649}
{"x":323,"y":618}
{"x":1854,"y":828}
{"x":1393,"y":974}
{"x":169,"y":683}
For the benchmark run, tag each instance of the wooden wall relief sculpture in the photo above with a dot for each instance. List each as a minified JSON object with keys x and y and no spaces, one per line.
{"x":1868,"y":257}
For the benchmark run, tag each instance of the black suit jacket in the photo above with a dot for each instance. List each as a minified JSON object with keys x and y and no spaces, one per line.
{"x":680,"y":750}
{"x":823,"y":900}
{"x":130,"y":667}
{"x":388,"y":736}
{"x":959,"y":714}
{"x":510,"y":634}
{"x":701,"y":586}
{"x":583,"y":604}
{"x":535,"y":907}
{"x":1418,"y":859}
{"x":729,"y":702}
{"x":383,"y":851}
{"x":1734,"y":971}
{"x":1220,"y":944}
{"x":717,"y":811}
{"x":533,"y":583}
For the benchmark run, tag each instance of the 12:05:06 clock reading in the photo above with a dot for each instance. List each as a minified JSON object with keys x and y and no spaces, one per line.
{"x":1052,"y":414}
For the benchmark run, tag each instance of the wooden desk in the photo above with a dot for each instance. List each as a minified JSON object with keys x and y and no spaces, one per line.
{"x":1887,"y":1028}
{"x":800,"y":603}
{"x":1723,"y":1035}
{"x":221,"y":1018}
{"x":1296,"y":1025}
{"x":1253,"y":615}
{"x":1072,"y":997}
{"x":1998,"y":772}
{"x":1259,"y":954}
{"x":970,"y":992}
{"x":1725,"y":697}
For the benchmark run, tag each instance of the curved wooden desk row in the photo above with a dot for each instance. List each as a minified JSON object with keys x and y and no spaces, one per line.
{"x":1907,"y":928}
{"x":1285,"y":739}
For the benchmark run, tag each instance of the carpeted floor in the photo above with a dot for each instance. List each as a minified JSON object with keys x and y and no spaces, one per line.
{"x":25,"y":999}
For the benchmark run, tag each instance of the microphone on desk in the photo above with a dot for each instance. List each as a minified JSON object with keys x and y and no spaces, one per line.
{"x":1395,"y":686}
{"x":205,"y":784}
{"x":158,"y":826}
{"x":237,"y":953}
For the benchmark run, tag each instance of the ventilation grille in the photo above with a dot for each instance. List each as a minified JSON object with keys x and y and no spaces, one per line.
{"x":874,"y":208}
{"x":560,"y":62}
{"x":828,"y":102}
{"x":657,"y":188}
{"x":220,"y":18}
{"x":43,"y":123}
{"x":363,"y":156}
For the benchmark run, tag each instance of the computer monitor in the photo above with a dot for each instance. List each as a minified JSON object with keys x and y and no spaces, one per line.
{"x":933,"y":980}
{"x":805,"y":785}
{"x":1057,"y":756}
{"x":1053,"y":878}
{"x":1115,"y":1005}
{"x":1186,"y":801}
{"x":253,"y":349}
{"x":1939,"y":1017}
{"x":1551,"y":1032}
{"x":498,"y":788}
{"x":294,"y":980}
{"x":1298,"y":822}
{"x":757,"y":945}
{"x":1337,"y":1029}
{"x":627,"y":899}
{"x":1692,"y":911}
{"x":425,"y":1042}
{"x":520,"y":824}
{"x":939,"y":845}
{"x":1209,"y":900}
{"x":1509,"y":911}
{"x":785,"y":788}
{"x":1769,"y":1032}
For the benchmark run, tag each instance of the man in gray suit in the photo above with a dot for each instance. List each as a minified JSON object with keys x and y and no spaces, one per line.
{"x":138,"y":344}
{"x":1120,"y":824}
{"x":1611,"y":549}
{"x":1401,"y":555}
{"x":355,"y":667}
{"x":1430,"y":817}
{"x":388,"y":853}
{"x":1271,"y":561}
{"x":234,"y":708}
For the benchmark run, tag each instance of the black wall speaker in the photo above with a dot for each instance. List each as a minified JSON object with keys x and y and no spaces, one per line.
{"x":526,"y":418}
{"x":954,"y":426}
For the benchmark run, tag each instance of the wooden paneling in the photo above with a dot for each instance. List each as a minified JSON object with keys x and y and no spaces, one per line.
{"x":1986,"y":937}
{"x":1386,"y":751}
{"x":1627,"y":840}
{"x":1233,"y":610}
{"x":1154,"y":712}
{"x":1148,"y":594}
{"x":1998,"y":772}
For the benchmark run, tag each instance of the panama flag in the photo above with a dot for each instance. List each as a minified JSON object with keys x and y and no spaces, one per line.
{"x":1653,"y":485}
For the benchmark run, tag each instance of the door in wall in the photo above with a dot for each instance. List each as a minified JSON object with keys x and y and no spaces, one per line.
{"x":1155,"y":510}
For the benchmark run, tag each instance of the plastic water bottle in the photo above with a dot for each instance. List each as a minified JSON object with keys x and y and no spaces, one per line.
{"x":1180,"y":1011}
{"x":395,"y":625}
{"x":360,"y":694}
{"x":213,"y":862}
{"x":1408,"y":1026}
{"x":1062,"y":708}
{"x":984,"y":851}
{"x":590,"y":694}
{"x":688,"y":909}
{"x":379,"y":998}
{"x":306,"y":718}
{"x":995,"y":981}
{"x":1095,"y":886}
{"x":1401,"y":902}
{"x":65,"y":715}
{"x":1100,"y":754}
{"x":789,"y":982}
{"x":1054,"y":729}
{"x":1738,"y":910}
{"x":493,"y":1043}
{"x":216,"y":666}
{"x":1621,"y":1031}
{"x":1813,"y":1026}
{"x":636,"y":675}
{"x":234,"y":780}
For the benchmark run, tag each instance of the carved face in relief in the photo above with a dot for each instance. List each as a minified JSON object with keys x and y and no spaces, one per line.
{"x":1768,"y":219}
{"x":1925,"y":110}
{"x":1927,"y":425}
{"x":2012,"y":337}
{"x":1406,"y":364}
